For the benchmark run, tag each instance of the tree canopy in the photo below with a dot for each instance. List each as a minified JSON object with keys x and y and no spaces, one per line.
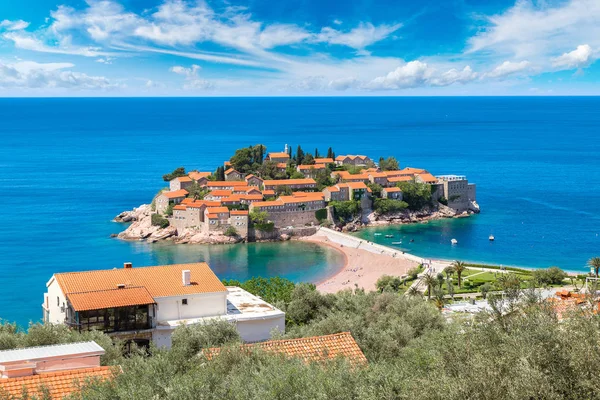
{"x":416,"y":195}
{"x":177,"y":172}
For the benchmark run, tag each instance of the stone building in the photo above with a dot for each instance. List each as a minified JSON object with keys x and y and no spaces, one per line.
{"x":233,"y":175}
{"x":165,"y":198}
{"x":379,"y":178}
{"x":295,"y":210}
{"x":394,"y":193}
{"x":311,"y":171}
{"x":356,"y":161}
{"x":253,"y":180}
{"x":458,"y":191}
{"x":278,"y":157}
{"x":181,"y":182}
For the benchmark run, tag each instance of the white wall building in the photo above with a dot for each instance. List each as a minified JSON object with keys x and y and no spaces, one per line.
{"x":147,"y":303}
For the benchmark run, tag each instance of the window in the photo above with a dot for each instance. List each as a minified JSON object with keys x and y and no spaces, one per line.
{"x":184,"y":302}
{"x":57,"y":301}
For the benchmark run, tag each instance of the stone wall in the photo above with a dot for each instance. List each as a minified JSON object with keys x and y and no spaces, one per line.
{"x":297,"y":218}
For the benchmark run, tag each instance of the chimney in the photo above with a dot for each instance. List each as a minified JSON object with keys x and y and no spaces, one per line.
{"x":127,"y":265}
{"x":186,"y":275}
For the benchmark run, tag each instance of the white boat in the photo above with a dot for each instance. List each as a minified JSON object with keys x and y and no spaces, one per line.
{"x":389,"y":236}
{"x":396,"y":242}
{"x":378,"y":234}
{"x":492,"y":238}
{"x":454,"y":241}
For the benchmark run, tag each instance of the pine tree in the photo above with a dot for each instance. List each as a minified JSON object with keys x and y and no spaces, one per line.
{"x":330,"y":153}
{"x":317,"y":153}
{"x":299,"y":155}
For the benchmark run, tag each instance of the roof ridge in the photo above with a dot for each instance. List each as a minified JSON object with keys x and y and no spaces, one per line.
{"x":135,"y":268}
{"x":111,"y":289}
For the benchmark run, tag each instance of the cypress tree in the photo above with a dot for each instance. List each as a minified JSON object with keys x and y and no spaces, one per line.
{"x":299,"y":155}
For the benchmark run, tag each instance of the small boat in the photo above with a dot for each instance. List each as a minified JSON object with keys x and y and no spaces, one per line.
{"x":389,"y":236}
{"x":378,"y":234}
{"x":396,"y":242}
{"x":454,"y":241}
{"x":492,"y":238}
{"x":412,"y":240}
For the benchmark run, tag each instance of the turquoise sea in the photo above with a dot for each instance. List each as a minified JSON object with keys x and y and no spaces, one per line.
{"x":68,"y":166}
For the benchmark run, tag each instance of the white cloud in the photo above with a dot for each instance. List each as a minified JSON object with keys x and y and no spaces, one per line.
{"x":540,"y":29}
{"x":281,"y":35}
{"x":578,"y":58}
{"x":337,"y":22}
{"x":343,"y":83}
{"x":106,"y":60}
{"x":508,"y":68}
{"x":453,"y":75}
{"x":13,"y":25}
{"x":411,"y":74}
{"x":33,"y":75}
{"x":192,"y":81}
{"x":28,"y":42}
{"x":364,"y":35}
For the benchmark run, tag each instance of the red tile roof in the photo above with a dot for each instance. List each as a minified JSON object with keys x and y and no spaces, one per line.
{"x":278,"y":155}
{"x":60,"y":384}
{"x":323,"y":160}
{"x":396,"y":179}
{"x":111,"y":298}
{"x":287,"y":182}
{"x":180,"y":207}
{"x":159,"y":281}
{"x":221,"y":192}
{"x":427,"y":177}
{"x":392,"y":189}
{"x":230,"y":170}
{"x":308,"y":167}
{"x":217,"y":210}
{"x":215,"y":184}
{"x":183,"y":179}
{"x":356,"y":185}
{"x":195,"y":175}
{"x":310,"y":349}
{"x":175,"y":194}
{"x":239,"y":212}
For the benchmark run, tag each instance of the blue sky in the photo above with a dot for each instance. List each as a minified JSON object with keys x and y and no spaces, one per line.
{"x":304,"y":47}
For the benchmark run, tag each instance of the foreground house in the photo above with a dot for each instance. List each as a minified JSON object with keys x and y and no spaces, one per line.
{"x":181,"y":182}
{"x":310,"y":349}
{"x":59,"y":369}
{"x":147,"y":303}
{"x":165,"y":198}
{"x":233,"y":175}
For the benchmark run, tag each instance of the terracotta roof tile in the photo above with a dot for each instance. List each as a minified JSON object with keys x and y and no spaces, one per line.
{"x":308,"y":167}
{"x":175,"y":194}
{"x":159,"y":281}
{"x":332,"y":189}
{"x":239,"y":212}
{"x":187,"y":201}
{"x":230,"y":170}
{"x":311,"y":349}
{"x":216,"y":184}
{"x":181,"y":207}
{"x":323,"y":160}
{"x":195,"y":175}
{"x":100,"y":299}
{"x":60,"y":384}
{"x":278,"y":155}
{"x":356,"y":185}
{"x":268,"y":192}
{"x":217,"y":210}
{"x":282,"y":165}
{"x":183,"y":179}
{"x":221,"y":192}
{"x":392,"y":190}
{"x":427,"y":177}
{"x":396,"y":179}
{"x":287,"y":182}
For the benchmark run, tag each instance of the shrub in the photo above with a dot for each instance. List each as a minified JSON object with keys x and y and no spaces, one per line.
{"x":345,"y":210}
{"x":270,"y":290}
{"x":191,"y":339}
{"x":389,"y":206}
{"x":177,"y":172}
{"x":388,"y":283}
{"x":159,"y":220}
{"x":550,"y":276}
{"x":443,"y":200}
{"x":321,"y":214}
{"x":416,"y":195}
{"x":230,"y":231}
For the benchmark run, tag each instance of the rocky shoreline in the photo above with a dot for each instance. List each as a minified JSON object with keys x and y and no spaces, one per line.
{"x":141,"y":228}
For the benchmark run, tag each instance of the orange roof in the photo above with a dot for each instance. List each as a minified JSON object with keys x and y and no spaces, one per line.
{"x":281,"y":165}
{"x":390,"y":174}
{"x":239,"y":212}
{"x":323,"y":160}
{"x":278,"y":155}
{"x":392,"y":189}
{"x":207,"y":203}
{"x":232,"y":198}
{"x":226,"y":184}
{"x":357,"y":185}
{"x":252,"y":189}
{"x":60,"y":384}
{"x":230,"y":170}
{"x":175,"y":194}
{"x":332,"y":189}
{"x":250,"y":176}
{"x":187,"y":200}
{"x":251,"y":197}
{"x":377,"y":175}
{"x":268,"y":192}
{"x":410,"y":170}
{"x":342,"y":185}
{"x":100,"y":299}
{"x":427,"y":177}
{"x":371,"y":170}
{"x":221,"y":192}
{"x":400,"y":179}
{"x":341,"y":158}
{"x":259,"y":204}
{"x":183,"y":179}
{"x":241,"y":189}
{"x":298,"y":198}
{"x":180,"y":207}
{"x":195,"y":175}
{"x":286,"y":182}
{"x":160,"y":281}
{"x":212,"y":216}
{"x":217,"y":210}
{"x":316,"y":166}
{"x":311,"y":349}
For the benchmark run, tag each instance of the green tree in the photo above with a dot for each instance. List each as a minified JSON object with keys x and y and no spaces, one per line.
{"x":299,"y":155}
{"x":248,"y":159}
{"x":317,"y":155}
{"x":375,"y":189}
{"x":177,"y":172}
{"x":550,"y":276}
{"x":416,"y":195}
{"x":297,"y":175}
{"x":459,"y":268}
{"x":308,"y":160}
{"x":159,"y":220}
{"x":430,"y":282}
{"x":389,"y":164}
{"x":388,"y":283}
{"x":196,"y":192}
{"x":388,"y":206}
{"x":594,"y":263}
{"x":330,"y":153}
{"x":219,"y":174}
{"x":345,"y":210}
{"x":230,"y":231}
{"x":485,"y":289}
{"x":191,"y":339}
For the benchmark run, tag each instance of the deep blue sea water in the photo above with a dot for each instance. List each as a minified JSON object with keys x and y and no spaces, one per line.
{"x":68,"y":166}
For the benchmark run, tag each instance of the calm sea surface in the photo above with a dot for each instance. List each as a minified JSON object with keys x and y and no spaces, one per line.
{"x":68,"y":166}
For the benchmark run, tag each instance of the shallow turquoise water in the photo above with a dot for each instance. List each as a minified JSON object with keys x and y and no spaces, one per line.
{"x":68,"y":166}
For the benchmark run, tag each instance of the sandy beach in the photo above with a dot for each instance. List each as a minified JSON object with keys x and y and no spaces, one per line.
{"x":362,"y":267}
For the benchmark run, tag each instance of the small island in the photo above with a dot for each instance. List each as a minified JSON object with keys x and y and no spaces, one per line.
{"x":269,"y":196}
